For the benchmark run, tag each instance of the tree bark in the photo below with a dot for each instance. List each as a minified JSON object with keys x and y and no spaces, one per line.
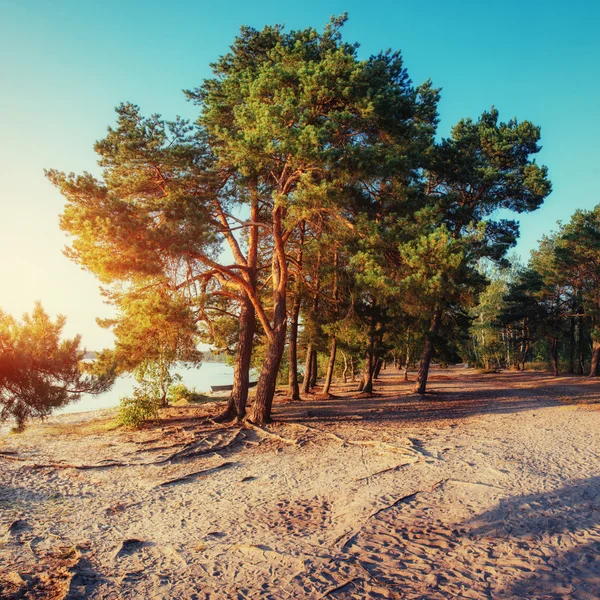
{"x":267,"y":381}
{"x":330,"y":366}
{"x":423,"y":372}
{"x":236,"y":405}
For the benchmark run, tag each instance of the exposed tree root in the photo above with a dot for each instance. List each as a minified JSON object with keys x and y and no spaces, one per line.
{"x":350,"y":536}
{"x":191,"y":476}
{"x":339,"y":587}
{"x":275,"y":435}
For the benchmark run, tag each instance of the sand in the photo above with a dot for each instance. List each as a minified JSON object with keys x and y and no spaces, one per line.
{"x":489,"y":488}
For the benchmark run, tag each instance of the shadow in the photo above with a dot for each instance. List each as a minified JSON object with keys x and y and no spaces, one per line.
{"x":562,"y":528}
{"x":18,"y":497}
{"x":454,"y":393}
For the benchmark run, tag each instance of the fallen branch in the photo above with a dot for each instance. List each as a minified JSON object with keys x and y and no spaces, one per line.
{"x":191,"y":476}
{"x":339,"y":587}
{"x":107,"y":465}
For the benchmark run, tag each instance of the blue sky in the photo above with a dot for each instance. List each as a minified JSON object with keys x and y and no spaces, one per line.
{"x":66,"y":64}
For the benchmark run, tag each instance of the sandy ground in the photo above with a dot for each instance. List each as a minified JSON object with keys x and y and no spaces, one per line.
{"x":489,"y":488}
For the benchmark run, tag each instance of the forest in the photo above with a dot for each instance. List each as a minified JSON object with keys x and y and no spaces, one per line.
{"x":311,"y":222}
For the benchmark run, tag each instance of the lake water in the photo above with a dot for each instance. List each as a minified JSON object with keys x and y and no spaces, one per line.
{"x":209,"y":373}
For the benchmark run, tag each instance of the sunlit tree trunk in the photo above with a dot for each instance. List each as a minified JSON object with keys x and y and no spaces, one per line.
{"x":236,"y":405}
{"x":267,"y":381}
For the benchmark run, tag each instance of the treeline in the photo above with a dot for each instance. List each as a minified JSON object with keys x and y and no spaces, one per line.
{"x":309,"y":213}
{"x":546,"y":312}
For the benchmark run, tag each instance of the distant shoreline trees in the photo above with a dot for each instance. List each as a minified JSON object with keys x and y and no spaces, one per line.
{"x":347,"y":225}
{"x":550,"y":310}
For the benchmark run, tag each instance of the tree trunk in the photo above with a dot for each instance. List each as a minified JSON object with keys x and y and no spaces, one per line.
{"x":330,"y":366}
{"x":378,"y":366}
{"x":267,"y":380}
{"x":293,"y":351}
{"x":423,"y":372}
{"x":595,"y":358}
{"x":554,"y":355}
{"x":236,"y":405}
{"x":406,"y":365}
{"x":307,"y":370}
{"x":366,"y":383}
{"x":571,"y":369}
{"x":345,"y":368}
{"x":352,"y":369}
{"x":314,"y":374}
{"x":580,"y":344}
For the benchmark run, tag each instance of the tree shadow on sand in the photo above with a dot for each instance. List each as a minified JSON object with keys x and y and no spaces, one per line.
{"x":454,"y":394}
{"x":557,"y":534}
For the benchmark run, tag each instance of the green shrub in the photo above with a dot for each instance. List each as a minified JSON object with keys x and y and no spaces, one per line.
{"x":181,"y":394}
{"x":134,"y":411}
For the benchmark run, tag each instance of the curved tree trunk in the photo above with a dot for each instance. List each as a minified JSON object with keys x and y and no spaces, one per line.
{"x":423,"y":372}
{"x":595,"y":358}
{"x":330,"y":366}
{"x":344,"y":373}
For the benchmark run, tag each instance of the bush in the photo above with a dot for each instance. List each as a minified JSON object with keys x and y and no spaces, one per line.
{"x":136,"y":410}
{"x":181,"y":394}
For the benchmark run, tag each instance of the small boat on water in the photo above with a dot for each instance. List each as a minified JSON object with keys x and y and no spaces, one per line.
{"x":228,"y":388}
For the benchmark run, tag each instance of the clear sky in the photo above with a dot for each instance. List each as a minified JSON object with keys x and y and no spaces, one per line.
{"x":65,"y":64}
